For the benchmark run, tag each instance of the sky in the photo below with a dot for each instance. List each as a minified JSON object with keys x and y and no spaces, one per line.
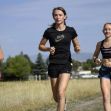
{"x":23,"y":22}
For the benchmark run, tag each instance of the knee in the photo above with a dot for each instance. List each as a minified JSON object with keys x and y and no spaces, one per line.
{"x":106,"y":98}
{"x":61,"y":94}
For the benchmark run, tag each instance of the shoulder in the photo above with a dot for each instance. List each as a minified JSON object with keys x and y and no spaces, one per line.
{"x":72,"y":31}
{"x":99,"y":43}
{"x":70,"y":28}
{"x":47,"y":32}
{"x":50,"y":29}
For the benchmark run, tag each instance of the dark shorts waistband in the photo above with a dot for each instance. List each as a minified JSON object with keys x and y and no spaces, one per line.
{"x":105,"y":72}
{"x":55,"y":69}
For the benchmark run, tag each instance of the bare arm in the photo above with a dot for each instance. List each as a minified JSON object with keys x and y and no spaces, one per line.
{"x":42,"y":46}
{"x":96,"y":53}
{"x":97,"y":50}
{"x":76,"y":44}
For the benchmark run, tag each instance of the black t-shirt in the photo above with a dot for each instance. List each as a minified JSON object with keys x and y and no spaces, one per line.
{"x":61,"y":40}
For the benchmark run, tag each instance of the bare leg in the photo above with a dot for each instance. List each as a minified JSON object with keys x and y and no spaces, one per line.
{"x":63,"y":82}
{"x":54,"y":85}
{"x":105,"y":88}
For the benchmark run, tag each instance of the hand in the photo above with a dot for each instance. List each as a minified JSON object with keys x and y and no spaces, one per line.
{"x":98,"y":61}
{"x":77,"y":49}
{"x":52,"y":50}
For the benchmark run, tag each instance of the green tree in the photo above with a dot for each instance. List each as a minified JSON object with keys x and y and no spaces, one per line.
{"x":40,"y":66}
{"x":88,"y":65}
{"x":32,"y":65}
{"x":17,"y":67}
{"x":76,"y":64}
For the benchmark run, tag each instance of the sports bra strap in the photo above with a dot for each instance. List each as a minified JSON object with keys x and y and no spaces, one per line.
{"x":102,"y":43}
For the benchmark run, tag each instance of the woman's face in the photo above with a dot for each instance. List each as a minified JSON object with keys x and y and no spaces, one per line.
{"x":107,"y":30}
{"x":59,"y":17}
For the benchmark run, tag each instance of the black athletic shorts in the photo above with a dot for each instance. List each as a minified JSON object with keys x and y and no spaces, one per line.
{"x":55,"y":69}
{"x":105,"y":72}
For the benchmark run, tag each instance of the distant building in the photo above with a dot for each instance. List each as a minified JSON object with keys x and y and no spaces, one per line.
{"x":89,"y":76}
{"x":97,"y":68}
{"x":84,"y":72}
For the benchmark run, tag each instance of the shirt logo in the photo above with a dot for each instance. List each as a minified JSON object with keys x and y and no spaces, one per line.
{"x":59,"y":38}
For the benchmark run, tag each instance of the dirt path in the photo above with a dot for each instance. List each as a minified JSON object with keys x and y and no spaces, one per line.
{"x":89,"y":105}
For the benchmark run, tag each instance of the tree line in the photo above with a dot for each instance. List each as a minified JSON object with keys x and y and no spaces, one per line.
{"x":21,"y":66}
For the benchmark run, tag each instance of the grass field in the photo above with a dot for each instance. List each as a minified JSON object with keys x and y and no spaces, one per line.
{"x":33,"y":95}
